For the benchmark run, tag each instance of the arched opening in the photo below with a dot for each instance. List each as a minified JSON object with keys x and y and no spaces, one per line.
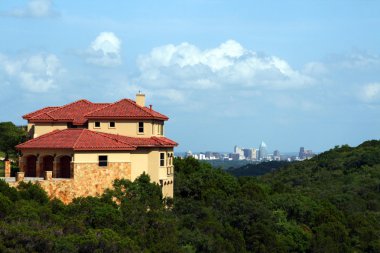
{"x":65,"y":167}
{"x":47,"y":164}
{"x":31,"y":164}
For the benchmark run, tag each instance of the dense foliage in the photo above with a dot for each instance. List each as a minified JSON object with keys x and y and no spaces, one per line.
{"x":257,"y":169}
{"x":10,"y":136}
{"x":330,"y":203}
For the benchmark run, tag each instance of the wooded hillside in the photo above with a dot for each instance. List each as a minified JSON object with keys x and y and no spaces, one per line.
{"x":330,"y":203}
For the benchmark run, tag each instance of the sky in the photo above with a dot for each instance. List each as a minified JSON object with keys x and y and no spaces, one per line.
{"x":289,"y":73}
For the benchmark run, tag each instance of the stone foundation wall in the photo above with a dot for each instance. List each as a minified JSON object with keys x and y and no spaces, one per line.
{"x":89,"y":180}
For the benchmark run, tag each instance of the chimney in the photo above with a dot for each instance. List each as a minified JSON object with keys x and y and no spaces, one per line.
{"x":140,"y":99}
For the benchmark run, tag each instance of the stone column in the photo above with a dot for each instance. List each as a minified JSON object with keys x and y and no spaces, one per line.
{"x":39,"y":167}
{"x":55,"y":168}
{"x":7,"y":168}
{"x":21,"y":164}
{"x":48,"y":175}
{"x":20,"y":176}
{"x":72,"y":170}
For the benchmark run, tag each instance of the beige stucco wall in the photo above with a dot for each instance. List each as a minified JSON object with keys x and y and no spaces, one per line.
{"x":148,"y":161}
{"x":140,"y":162}
{"x":122,"y":127}
{"x":127,"y":127}
{"x":43,"y":128}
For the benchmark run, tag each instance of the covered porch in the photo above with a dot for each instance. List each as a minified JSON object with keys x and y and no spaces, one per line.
{"x":35,"y":163}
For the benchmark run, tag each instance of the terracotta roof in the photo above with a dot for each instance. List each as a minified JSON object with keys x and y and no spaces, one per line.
{"x":80,"y":111}
{"x":73,"y":112}
{"x":38,"y":112}
{"x":144,"y":142}
{"x":125,"y":109}
{"x":84,"y":139}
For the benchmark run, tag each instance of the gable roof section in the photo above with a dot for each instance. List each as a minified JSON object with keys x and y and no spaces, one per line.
{"x":75,"y":111}
{"x":87,"y":140}
{"x":125,"y":109}
{"x":80,"y":111}
{"x":38,"y":112}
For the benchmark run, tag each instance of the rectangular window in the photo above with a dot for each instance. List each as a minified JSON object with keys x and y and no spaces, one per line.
{"x":103,"y":160}
{"x":97,"y":124}
{"x":161,"y":129}
{"x":162,"y":159}
{"x":112,"y":124}
{"x":141,"y":127}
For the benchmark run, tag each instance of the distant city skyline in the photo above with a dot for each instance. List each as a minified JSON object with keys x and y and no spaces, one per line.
{"x":252,"y":154}
{"x":292,"y":73}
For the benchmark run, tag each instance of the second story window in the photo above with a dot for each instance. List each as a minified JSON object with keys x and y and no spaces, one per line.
{"x":103,"y":161}
{"x":162,"y":159}
{"x":112,"y":124}
{"x":141,"y":127}
{"x":97,"y":124}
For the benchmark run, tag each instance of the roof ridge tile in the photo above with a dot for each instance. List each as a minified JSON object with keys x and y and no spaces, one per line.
{"x":105,"y":106}
{"x":75,"y":143}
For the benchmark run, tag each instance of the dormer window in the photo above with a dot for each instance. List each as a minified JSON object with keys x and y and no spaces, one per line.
{"x":97,"y":124}
{"x":141,"y":127}
{"x":112,"y":124}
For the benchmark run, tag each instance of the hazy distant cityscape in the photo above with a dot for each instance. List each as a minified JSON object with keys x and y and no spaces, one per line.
{"x":260,"y":154}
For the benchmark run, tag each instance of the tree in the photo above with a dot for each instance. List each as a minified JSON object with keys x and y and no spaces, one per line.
{"x":10,"y":136}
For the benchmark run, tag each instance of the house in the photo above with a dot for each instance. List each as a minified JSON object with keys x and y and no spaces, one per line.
{"x":79,"y":149}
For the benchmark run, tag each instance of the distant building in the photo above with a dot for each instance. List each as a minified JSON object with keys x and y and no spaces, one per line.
{"x":276,"y":155}
{"x":263,"y":152}
{"x":302,"y":153}
{"x":305,"y":154}
{"x":189,"y":154}
{"x":240,"y":152}
{"x":235,"y":156}
{"x":250,"y":154}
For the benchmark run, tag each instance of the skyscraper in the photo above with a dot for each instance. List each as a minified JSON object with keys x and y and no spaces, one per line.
{"x":302,"y":154}
{"x":250,"y":153}
{"x":263,"y":153}
{"x":238,"y":150}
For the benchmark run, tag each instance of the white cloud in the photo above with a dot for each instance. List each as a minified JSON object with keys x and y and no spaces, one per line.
{"x":35,"y":73}
{"x":370,"y":92}
{"x":171,"y":96}
{"x":185,"y":66}
{"x":105,"y":50}
{"x":35,"y":8}
{"x":357,"y":60}
{"x":315,"y":69}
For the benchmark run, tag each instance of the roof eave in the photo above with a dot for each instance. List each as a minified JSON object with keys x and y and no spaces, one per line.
{"x":104,"y":149}
{"x":124,"y":117}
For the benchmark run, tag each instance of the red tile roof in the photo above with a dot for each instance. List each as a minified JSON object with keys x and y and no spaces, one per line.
{"x":80,"y":111}
{"x":86,"y":140}
{"x":38,"y":112}
{"x":125,"y":109}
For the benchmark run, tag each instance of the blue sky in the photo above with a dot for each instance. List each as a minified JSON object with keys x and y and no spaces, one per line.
{"x":290,"y":73}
